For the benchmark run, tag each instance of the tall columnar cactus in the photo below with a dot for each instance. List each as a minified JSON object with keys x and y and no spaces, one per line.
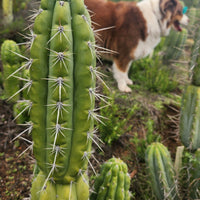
{"x":11,"y":62}
{"x":190,"y":117}
{"x":195,"y":60}
{"x":113,"y":182}
{"x":161,"y":172}
{"x":7,"y":6}
{"x":190,"y":108}
{"x":62,"y":94}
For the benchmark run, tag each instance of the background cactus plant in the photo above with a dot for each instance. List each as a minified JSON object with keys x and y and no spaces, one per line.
{"x":190,"y":115}
{"x":161,"y":172}
{"x":189,"y":120}
{"x":113,"y":182}
{"x":11,"y":62}
{"x":7,"y":6}
{"x":174,"y":45}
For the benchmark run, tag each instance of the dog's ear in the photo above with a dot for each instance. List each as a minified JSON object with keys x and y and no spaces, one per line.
{"x":166,"y":5}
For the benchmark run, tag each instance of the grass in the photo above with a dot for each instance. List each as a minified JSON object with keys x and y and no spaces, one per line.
{"x":153,"y":76}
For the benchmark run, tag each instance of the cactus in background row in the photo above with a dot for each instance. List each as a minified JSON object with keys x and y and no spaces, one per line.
{"x":62,"y":93}
{"x":190,"y":116}
{"x":113,"y":182}
{"x":190,"y":108}
{"x":186,"y":181}
{"x":11,"y":62}
{"x":174,"y":44}
{"x":7,"y":6}
{"x":161,"y":172}
{"x":195,"y":60}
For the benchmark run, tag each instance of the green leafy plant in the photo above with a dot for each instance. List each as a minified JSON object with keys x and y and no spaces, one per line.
{"x":116,"y":116}
{"x":142,"y":143}
{"x":151,"y":73}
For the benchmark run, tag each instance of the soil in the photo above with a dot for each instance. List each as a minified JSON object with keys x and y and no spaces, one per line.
{"x":15,"y":170}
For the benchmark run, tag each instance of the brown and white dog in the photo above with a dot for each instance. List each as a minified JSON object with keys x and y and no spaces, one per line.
{"x":133,"y":30}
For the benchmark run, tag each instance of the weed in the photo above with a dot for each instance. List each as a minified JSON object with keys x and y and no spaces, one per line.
{"x":117,"y":116}
{"x":153,"y":75}
{"x":142,"y":143}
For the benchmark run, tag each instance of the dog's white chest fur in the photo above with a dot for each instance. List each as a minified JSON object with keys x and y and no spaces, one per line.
{"x":145,"y":48}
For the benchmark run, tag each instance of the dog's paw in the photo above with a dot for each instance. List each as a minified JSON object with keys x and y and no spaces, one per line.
{"x":129,"y":81}
{"x":124,"y":88}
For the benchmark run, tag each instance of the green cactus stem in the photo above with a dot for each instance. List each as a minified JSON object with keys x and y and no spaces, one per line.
{"x":175,"y":45}
{"x":62,"y":75}
{"x":195,"y":60}
{"x":190,"y":118}
{"x":193,"y":15}
{"x":113,"y":182}
{"x":161,"y":172}
{"x":7,"y":6}
{"x":11,"y":62}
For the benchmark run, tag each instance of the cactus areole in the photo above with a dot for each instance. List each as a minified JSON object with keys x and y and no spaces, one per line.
{"x":62,"y":114}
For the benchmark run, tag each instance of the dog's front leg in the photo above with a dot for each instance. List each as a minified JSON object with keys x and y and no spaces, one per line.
{"x":121,"y":76}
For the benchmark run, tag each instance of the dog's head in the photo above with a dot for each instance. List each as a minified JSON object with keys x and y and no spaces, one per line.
{"x":172,"y":15}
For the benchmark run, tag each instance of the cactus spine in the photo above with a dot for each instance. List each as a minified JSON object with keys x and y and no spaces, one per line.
{"x":113,"y":182}
{"x":61,"y":77}
{"x":161,"y":172}
{"x":11,"y":63}
{"x":7,"y":6}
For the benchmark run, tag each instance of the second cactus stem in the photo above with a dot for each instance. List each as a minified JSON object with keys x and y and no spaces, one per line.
{"x":61,"y":80}
{"x":7,"y":6}
{"x":113,"y":182}
{"x":190,"y":109}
